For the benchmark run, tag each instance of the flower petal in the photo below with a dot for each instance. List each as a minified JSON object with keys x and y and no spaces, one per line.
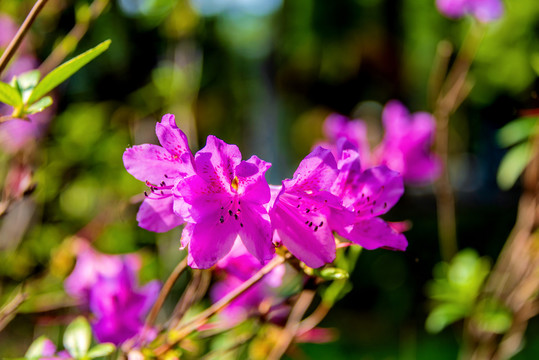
{"x":209,"y":241}
{"x":216,"y":162}
{"x":152,"y":163}
{"x":252,"y":184}
{"x":373,"y":234}
{"x":255,"y":232}
{"x":157,"y":215}
{"x":171,"y":137}
{"x":316,"y":172}
{"x":302,"y":226}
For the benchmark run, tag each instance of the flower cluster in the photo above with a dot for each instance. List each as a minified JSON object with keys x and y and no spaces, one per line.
{"x":107,"y":285}
{"x":405,"y":148}
{"x":221,"y":197}
{"x":483,"y":10}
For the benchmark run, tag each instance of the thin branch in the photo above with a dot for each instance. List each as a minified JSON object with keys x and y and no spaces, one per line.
{"x":204,"y":316}
{"x":8,"y":312}
{"x":315,"y":318}
{"x":292,"y":325}
{"x":70,"y":41}
{"x":19,"y":36}
{"x":178,"y":270}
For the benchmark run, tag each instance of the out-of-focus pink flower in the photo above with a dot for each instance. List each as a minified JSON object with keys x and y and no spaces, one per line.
{"x":238,"y":266}
{"x":405,"y":148}
{"x":108,"y":285}
{"x":483,"y":10}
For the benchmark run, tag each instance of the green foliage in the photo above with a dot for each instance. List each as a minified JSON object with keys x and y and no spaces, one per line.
{"x":9,"y":95}
{"x":518,"y":133}
{"x":64,"y":71}
{"x":35,"y":351}
{"x":455,"y":288}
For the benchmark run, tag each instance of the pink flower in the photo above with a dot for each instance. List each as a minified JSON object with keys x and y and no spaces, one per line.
{"x":483,"y":10}
{"x":405,"y":147}
{"x":235,"y":268}
{"x":160,"y":167}
{"x":325,"y":197}
{"x":224,"y":199}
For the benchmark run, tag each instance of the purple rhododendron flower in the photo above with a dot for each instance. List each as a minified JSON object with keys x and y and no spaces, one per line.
{"x":405,"y":147}
{"x":224,"y":199}
{"x":324,"y":197}
{"x":120,"y":306}
{"x":368,"y":194}
{"x":160,"y":167}
{"x":235,"y":268}
{"x":89,"y":266}
{"x":483,"y":10}
{"x":301,"y":211}
{"x":107,"y":284}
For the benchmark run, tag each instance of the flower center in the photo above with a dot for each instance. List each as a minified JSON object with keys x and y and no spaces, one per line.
{"x":235,"y":183}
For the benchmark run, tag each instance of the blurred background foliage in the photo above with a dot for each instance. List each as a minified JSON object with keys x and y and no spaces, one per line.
{"x":264,"y":74}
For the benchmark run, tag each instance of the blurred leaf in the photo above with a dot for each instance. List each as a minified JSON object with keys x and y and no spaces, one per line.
{"x":443,"y":315}
{"x":512,"y":165}
{"x":332,"y":273}
{"x":101,"y":350}
{"x":36,"y":348}
{"x":39,"y":105}
{"x":492,"y":316}
{"x":516,"y":131}
{"x":77,"y":337}
{"x":64,"y":71}
{"x":455,"y":288}
{"x":9,"y":95}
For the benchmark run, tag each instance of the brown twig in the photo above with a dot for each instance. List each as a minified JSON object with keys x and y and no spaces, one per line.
{"x":193,"y":293}
{"x":204,"y":316}
{"x":19,"y":36}
{"x":315,"y":318}
{"x":452,"y":93}
{"x":292,"y":324}
{"x":178,"y":270}
{"x":8,"y":312}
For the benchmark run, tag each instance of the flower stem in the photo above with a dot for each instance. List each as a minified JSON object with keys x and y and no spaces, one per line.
{"x":178,"y":270}
{"x":204,"y":316}
{"x":19,"y":36}
{"x":451,"y":94}
{"x":292,"y":324}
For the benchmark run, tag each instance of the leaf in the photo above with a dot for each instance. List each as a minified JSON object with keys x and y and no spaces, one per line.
{"x":39,"y":105}
{"x":516,"y":131}
{"x":38,"y":347}
{"x":332,"y":273}
{"x":512,"y":165}
{"x":26,"y":83}
{"x":64,"y":71}
{"x":443,"y":315}
{"x":101,"y":350}
{"x":9,"y":95}
{"x":77,"y":337}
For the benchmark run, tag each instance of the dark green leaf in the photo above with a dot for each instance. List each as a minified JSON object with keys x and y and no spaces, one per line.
{"x":64,"y":71}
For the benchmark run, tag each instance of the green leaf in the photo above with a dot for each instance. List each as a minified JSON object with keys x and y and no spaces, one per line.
{"x":492,"y":316}
{"x":443,"y":315}
{"x":516,"y":131}
{"x":26,"y":83}
{"x":512,"y":165}
{"x":39,"y":105}
{"x":64,"y":71}
{"x":332,"y":273}
{"x":77,"y":337}
{"x":101,"y":350}
{"x":9,"y":95}
{"x":36,"y":348}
